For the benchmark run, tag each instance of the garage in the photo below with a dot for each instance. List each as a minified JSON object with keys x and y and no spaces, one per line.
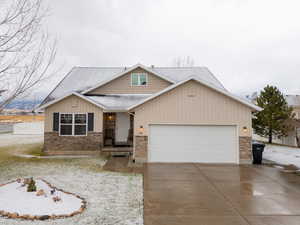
{"x":193,"y":143}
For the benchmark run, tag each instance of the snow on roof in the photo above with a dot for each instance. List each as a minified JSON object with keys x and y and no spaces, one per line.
{"x":83,"y":78}
{"x":180,"y":73}
{"x":118,"y":102}
{"x":293,"y":100}
{"x":80,"y":79}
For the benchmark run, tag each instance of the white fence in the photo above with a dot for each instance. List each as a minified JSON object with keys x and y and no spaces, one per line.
{"x":29,"y":128}
{"x":289,"y":140}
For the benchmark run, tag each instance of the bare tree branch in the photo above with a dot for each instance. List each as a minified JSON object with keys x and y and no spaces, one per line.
{"x":183,"y":62}
{"x":27,"y":52}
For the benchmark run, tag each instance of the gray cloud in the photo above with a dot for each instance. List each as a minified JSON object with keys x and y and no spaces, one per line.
{"x":246,"y":44}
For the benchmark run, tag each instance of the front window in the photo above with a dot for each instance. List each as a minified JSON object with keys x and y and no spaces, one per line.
{"x":80,"y":124}
{"x":138,"y":79}
{"x":73,"y":124}
{"x":66,"y":124}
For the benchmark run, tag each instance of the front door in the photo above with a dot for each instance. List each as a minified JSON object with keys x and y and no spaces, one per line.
{"x":122,"y":127}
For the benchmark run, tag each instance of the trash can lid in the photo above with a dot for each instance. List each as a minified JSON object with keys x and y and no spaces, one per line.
{"x":257,"y":143}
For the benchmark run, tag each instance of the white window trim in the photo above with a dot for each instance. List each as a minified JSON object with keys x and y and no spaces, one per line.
{"x":73,"y":125}
{"x":139,"y":80}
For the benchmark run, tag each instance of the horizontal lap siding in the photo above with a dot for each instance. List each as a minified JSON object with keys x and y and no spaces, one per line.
{"x":193,"y":103}
{"x":122,"y":85}
{"x":73,"y":104}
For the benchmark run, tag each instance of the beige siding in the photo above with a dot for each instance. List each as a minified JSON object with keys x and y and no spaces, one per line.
{"x":73,"y":104}
{"x":122,"y":85}
{"x":193,"y":103}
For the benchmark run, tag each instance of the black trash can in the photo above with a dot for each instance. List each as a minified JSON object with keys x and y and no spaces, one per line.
{"x":257,"y":151}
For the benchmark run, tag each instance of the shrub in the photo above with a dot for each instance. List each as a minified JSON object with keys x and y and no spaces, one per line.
{"x":31,"y":186}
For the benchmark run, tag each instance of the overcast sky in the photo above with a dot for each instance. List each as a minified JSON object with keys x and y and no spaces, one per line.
{"x":247,"y":44}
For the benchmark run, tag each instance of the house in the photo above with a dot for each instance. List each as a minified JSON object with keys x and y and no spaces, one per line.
{"x":161,"y":114}
{"x":293,"y":136}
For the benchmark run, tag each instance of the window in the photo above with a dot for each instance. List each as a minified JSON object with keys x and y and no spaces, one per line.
{"x":73,"y":124}
{"x":138,"y":79}
{"x":80,"y":124}
{"x":66,"y":121}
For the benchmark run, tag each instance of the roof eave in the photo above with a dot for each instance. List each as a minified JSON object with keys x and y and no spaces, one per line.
{"x":42,"y":107}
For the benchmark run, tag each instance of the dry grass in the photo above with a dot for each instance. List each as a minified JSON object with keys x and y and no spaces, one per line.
{"x":9,"y":158}
{"x":21,"y":118}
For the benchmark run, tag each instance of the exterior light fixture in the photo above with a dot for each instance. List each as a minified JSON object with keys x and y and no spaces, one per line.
{"x":245,"y":129}
{"x":141,"y":130}
{"x":110,"y":117}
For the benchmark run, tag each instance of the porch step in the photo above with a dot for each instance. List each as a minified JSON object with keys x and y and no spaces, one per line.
{"x":117,"y":149}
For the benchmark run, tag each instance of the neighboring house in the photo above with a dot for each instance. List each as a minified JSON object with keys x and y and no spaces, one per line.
{"x":161,"y":114}
{"x":294,"y":134}
{"x":292,"y":139}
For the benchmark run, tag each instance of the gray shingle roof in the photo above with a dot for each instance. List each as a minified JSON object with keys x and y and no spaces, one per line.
{"x":83,"y":78}
{"x":119,"y":102}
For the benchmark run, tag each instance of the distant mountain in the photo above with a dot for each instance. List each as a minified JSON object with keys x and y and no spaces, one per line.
{"x":23,"y":104}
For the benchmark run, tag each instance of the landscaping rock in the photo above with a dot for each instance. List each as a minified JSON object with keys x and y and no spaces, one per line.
{"x":56,"y":199}
{"x":13,"y":215}
{"x":45,"y":217}
{"x":40,"y":192}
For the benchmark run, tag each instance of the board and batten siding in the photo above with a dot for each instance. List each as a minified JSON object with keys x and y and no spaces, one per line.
{"x":122,"y":85}
{"x":195,"y":104}
{"x":73,"y":104}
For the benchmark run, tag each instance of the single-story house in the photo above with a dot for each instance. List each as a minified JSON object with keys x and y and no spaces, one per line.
{"x":160,"y":114}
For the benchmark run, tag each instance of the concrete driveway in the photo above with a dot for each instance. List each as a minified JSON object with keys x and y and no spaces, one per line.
{"x":196,"y":194}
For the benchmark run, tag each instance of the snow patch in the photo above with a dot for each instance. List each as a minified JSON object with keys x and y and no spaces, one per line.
{"x":16,"y":199}
{"x":282,"y":155}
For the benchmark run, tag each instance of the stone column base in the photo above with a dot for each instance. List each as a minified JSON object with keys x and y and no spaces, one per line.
{"x":141,"y":148}
{"x":245,"y":147}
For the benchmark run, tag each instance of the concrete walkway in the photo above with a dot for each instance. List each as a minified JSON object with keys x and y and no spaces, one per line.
{"x":195,"y":194}
{"x":122,"y":165}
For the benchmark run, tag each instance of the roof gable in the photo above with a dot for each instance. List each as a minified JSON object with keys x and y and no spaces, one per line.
{"x":131,"y":69}
{"x":68,"y":95}
{"x":224,"y":92}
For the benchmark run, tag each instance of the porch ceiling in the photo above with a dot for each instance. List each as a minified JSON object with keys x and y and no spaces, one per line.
{"x":118,"y":102}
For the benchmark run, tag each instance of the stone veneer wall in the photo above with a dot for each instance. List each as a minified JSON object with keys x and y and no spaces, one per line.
{"x":141,"y":148}
{"x":53,"y":143}
{"x":245,"y":149}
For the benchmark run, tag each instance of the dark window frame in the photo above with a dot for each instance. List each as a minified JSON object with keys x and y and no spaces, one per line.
{"x":73,"y":124}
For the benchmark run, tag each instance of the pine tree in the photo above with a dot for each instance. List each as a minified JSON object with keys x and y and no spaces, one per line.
{"x":272,"y":120}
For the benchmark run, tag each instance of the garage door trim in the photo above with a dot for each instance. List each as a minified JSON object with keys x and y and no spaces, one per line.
{"x":187,"y":124}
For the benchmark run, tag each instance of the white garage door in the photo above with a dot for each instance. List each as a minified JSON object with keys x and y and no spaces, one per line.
{"x":187,"y":143}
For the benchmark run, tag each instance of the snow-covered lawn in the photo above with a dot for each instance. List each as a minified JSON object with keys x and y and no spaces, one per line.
{"x":15,"y":199}
{"x":112,"y":198}
{"x":282,"y":155}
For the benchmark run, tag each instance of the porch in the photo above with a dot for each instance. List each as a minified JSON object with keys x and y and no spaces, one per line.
{"x":117,"y":132}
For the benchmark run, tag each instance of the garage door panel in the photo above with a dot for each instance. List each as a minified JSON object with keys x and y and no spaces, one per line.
{"x":183,"y":143}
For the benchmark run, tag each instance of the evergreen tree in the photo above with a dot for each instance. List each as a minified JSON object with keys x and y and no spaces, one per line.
{"x":272,"y":120}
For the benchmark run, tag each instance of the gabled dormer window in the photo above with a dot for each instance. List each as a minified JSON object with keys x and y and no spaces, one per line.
{"x":139,"y":79}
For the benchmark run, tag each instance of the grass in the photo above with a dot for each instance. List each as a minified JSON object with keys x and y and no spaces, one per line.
{"x":9,"y":159}
{"x":112,"y":197}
